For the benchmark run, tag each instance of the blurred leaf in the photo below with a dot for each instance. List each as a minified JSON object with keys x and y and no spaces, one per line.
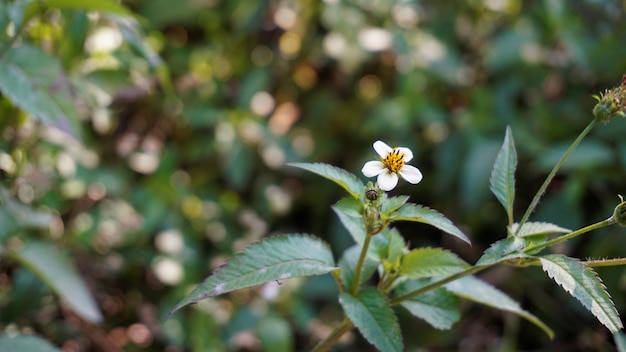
{"x":57,"y":271}
{"x":537,"y":228}
{"x":437,"y":307}
{"x":420,"y":213}
{"x":30,"y":343}
{"x":275,"y":334}
{"x":89,"y":5}
{"x":275,"y":258}
{"x":620,"y":340}
{"x":507,"y":248}
{"x":16,"y":216}
{"x":35,"y":82}
{"x":430,"y":262}
{"x":378,"y":248}
{"x":348,"y":264}
{"x":16,"y":10}
{"x":479,"y":291}
{"x":370,"y":312}
{"x":584,"y":284}
{"x":502,"y":180}
{"x":340,"y":176}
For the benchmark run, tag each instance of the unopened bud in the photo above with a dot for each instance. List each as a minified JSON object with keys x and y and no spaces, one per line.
{"x":611,"y":103}
{"x":619,"y":214}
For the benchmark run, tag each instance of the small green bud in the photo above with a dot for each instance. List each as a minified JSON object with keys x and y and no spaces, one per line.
{"x":373,"y":225}
{"x":372,"y":192}
{"x":611,"y":103}
{"x":619,"y":214}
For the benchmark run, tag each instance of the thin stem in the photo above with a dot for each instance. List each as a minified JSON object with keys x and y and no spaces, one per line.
{"x":434,"y":285}
{"x":573,"y":234}
{"x":359,"y":265}
{"x":335,"y":335}
{"x":605,"y":262}
{"x":558,"y":165}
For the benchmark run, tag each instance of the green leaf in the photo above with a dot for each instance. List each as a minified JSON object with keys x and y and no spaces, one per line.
{"x":16,"y":216}
{"x":340,"y":176}
{"x":419,"y":213}
{"x":583,"y":283}
{"x":397,"y":246}
{"x":275,"y":258}
{"x":91,"y":5}
{"x":502,"y":180}
{"x":275,"y":334}
{"x":356,"y":227}
{"x":57,"y":271}
{"x":348,"y":264}
{"x":537,"y":228}
{"x":35,"y":82}
{"x":504,"y":249}
{"x":476,"y":290}
{"x":392,"y":204}
{"x":371,"y":313}
{"x":430,"y":262}
{"x":350,"y":206}
{"x":438,"y":307}
{"x":30,"y":343}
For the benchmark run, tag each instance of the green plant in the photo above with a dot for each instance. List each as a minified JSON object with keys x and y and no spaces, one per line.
{"x":428,"y":282}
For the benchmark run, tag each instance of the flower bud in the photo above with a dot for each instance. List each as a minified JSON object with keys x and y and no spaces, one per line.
{"x":619,"y":214}
{"x":373,"y":225}
{"x":611,"y":103}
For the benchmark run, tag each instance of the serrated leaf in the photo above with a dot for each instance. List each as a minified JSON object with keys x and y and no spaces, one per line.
{"x":340,"y":176}
{"x":477,"y":290}
{"x":537,"y":228}
{"x":504,"y":249}
{"x":502,"y":180}
{"x":392,"y":204}
{"x":348,"y":264}
{"x":583,"y":283}
{"x":30,"y":343}
{"x":57,"y":271}
{"x":420,"y":213}
{"x":371,"y":313}
{"x":35,"y":82}
{"x":438,"y":307}
{"x":275,"y":258}
{"x":431,"y":262}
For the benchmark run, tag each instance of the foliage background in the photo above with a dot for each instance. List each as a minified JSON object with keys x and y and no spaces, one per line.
{"x":188,"y":113}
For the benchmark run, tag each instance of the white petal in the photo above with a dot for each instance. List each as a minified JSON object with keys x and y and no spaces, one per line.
{"x":411,"y":174}
{"x":382,"y":148}
{"x":408,"y":154}
{"x":387,"y":180}
{"x":372,"y":168}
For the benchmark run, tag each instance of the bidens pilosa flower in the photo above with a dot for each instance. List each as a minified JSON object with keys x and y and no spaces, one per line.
{"x":392,"y":162}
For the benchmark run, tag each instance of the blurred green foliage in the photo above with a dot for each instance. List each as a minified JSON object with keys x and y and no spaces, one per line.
{"x":153,"y":139}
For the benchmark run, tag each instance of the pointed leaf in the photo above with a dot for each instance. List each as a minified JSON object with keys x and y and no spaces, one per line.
{"x":30,"y":343}
{"x":397,"y":246}
{"x":57,"y":271}
{"x":502,"y":180}
{"x":430,"y":262}
{"x":537,"y":228}
{"x":35,"y":82}
{"x":340,"y":176}
{"x":348,"y":264}
{"x":392,"y":204}
{"x":504,"y":249}
{"x":371,"y":313}
{"x":438,"y":307}
{"x":419,"y":213}
{"x":582,"y":282}
{"x":479,"y":291}
{"x":275,"y":258}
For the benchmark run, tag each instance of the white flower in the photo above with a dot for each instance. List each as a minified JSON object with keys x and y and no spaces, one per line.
{"x":392,"y":162}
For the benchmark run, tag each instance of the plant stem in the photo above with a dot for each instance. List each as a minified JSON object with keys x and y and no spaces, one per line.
{"x":605,"y":262}
{"x":558,"y":165}
{"x":335,"y":335}
{"x":573,"y":234}
{"x":359,"y":265}
{"x":434,"y":285}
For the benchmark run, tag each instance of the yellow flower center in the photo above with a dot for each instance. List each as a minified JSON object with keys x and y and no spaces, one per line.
{"x":394,"y":160}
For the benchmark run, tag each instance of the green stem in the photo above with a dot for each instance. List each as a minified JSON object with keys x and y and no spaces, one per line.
{"x":434,"y":285}
{"x":335,"y":335}
{"x":605,"y":262}
{"x":573,"y":234}
{"x":558,"y":165}
{"x":359,"y":265}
